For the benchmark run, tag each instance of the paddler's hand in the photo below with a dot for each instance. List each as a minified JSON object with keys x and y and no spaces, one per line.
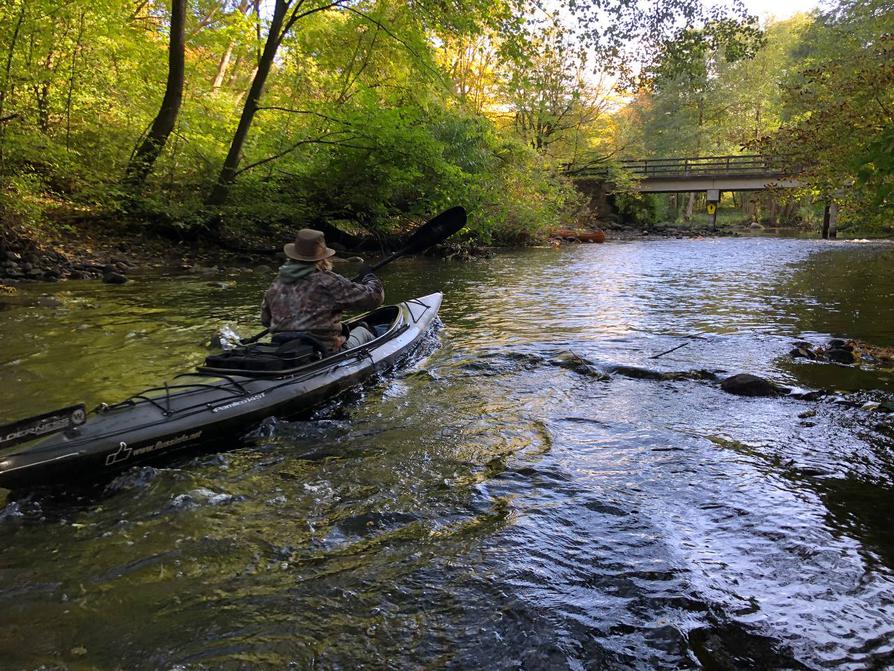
{"x":364,"y":272}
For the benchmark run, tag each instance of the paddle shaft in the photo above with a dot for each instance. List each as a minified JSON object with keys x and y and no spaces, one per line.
{"x":384,"y":262}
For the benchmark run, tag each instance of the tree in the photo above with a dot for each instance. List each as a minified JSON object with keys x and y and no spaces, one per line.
{"x":285,"y":14}
{"x":147,"y":152}
{"x":634,"y":38}
{"x":546,"y":86}
{"x":837,"y":132}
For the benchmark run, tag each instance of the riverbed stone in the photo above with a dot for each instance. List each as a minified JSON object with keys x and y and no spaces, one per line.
{"x":114,"y":278}
{"x":840,"y":355}
{"x":746,"y":384}
{"x":49,"y":301}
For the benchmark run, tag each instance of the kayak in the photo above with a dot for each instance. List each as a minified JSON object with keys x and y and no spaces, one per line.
{"x":206,"y":408}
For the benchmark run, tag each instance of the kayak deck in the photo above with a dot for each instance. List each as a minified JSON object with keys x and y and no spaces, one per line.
{"x":208,"y":408}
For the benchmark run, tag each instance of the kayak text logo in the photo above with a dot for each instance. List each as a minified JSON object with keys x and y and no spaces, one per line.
{"x":236,"y":404}
{"x":122,"y":454}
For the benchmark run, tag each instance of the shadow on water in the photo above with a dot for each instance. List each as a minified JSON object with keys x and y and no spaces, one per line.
{"x":532,"y":491}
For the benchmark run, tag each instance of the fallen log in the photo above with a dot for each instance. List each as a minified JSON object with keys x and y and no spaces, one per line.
{"x":596,"y":236}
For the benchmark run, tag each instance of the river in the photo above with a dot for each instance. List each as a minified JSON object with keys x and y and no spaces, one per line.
{"x":494,"y":503}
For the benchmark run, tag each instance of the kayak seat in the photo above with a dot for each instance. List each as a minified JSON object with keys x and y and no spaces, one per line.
{"x":265,"y":358}
{"x":288,"y":341}
{"x":240,"y":360}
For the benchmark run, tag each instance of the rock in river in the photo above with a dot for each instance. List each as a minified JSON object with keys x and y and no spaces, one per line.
{"x":745,"y":384}
{"x":840,"y":355}
{"x":114,"y":278}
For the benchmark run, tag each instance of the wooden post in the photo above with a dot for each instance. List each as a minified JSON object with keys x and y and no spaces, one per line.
{"x":713,"y":198}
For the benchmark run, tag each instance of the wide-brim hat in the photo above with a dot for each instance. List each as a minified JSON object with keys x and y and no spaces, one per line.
{"x":309,"y":245}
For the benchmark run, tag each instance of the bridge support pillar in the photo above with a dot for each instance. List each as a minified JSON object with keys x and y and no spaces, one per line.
{"x":830,"y":221}
{"x":713,"y":202}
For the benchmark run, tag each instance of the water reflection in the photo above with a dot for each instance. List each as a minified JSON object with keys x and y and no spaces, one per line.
{"x":489,"y":504}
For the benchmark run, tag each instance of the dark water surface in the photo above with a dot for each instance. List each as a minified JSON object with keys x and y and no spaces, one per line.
{"x":495,"y":504}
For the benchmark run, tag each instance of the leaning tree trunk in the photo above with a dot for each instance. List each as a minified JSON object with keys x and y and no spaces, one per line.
{"x":149,"y":150}
{"x":224,"y":63}
{"x":228,"y":171}
{"x":222,"y":67}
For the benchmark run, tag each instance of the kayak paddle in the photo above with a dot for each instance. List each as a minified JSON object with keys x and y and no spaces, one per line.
{"x":429,"y":234}
{"x":432,"y":232}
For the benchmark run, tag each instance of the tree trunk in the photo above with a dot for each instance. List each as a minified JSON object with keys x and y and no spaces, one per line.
{"x":688,"y":216}
{"x":227,"y":175}
{"x":71,"y":80}
{"x":833,"y":220}
{"x":224,"y":63}
{"x":4,"y":91}
{"x":234,"y":75}
{"x":148,"y":152}
{"x":222,"y":67}
{"x":42,"y":94}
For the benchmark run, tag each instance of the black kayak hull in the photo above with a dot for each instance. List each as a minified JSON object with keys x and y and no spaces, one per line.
{"x":210,"y":414}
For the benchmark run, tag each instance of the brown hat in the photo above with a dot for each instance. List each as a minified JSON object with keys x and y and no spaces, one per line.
{"x":309,"y":245}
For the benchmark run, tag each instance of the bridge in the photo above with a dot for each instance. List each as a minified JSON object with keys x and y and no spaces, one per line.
{"x":711,"y":174}
{"x":699,"y":173}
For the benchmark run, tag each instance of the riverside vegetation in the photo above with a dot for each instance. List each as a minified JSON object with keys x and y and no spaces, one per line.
{"x":232,"y":121}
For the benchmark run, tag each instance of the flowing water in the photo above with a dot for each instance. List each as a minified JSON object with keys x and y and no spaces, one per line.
{"x":526,"y":493}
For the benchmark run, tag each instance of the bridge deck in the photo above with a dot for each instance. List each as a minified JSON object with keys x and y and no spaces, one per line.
{"x":747,"y":172}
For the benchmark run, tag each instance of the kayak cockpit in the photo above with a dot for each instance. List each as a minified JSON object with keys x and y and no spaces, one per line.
{"x":289,"y":354}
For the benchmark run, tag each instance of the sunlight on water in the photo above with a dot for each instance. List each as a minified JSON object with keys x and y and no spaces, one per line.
{"x":531,"y":491}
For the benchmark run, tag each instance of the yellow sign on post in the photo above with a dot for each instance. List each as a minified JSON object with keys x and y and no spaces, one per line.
{"x":712,"y":208}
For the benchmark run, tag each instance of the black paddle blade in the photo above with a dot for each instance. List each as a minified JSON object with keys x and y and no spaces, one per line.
{"x":436,"y":230}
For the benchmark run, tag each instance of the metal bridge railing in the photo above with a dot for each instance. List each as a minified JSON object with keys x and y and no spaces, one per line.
{"x":696,"y":166}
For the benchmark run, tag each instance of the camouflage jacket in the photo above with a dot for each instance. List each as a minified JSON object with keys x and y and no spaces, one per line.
{"x":305,"y":298}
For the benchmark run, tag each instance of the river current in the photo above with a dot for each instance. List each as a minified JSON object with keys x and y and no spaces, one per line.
{"x":518,"y":495}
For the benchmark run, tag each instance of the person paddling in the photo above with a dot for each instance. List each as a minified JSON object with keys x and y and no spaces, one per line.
{"x":308,"y":298}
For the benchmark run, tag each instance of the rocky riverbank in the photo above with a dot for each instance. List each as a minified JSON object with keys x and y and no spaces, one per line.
{"x":108,"y":252}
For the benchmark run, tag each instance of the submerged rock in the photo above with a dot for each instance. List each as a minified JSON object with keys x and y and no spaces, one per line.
{"x":840,"y":355}
{"x":114,"y":278}
{"x":578,"y":364}
{"x":803,"y":350}
{"x":49,"y":301}
{"x":745,"y":384}
{"x":835,"y":351}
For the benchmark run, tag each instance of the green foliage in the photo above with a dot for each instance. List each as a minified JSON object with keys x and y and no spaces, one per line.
{"x":837,"y":118}
{"x":815,"y":91}
{"x":375,"y":112}
{"x":632,"y":38}
{"x":643,"y":209}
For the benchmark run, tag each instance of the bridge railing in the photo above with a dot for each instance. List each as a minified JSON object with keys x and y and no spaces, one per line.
{"x":696,"y":166}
